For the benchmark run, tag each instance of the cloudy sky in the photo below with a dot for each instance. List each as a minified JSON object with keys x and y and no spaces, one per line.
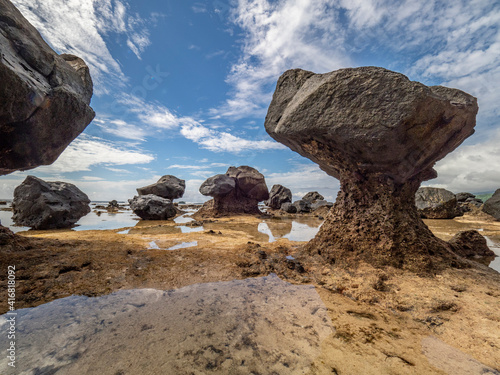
{"x":182,"y":87}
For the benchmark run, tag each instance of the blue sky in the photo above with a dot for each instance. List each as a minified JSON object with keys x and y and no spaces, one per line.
{"x":182,"y":87}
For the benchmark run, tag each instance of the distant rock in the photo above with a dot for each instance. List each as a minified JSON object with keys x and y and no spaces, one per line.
{"x":48,"y":205}
{"x":492,"y":205}
{"x":470,"y":244}
{"x":312,"y":197}
{"x":168,"y":187}
{"x":289,"y":208}
{"x":462,"y":197}
{"x":321,"y":203}
{"x":279,"y":195}
{"x":218,"y":186}
{"x":302,"y":206}
{"x":44,"y":97}
{"x":436,"y":203}
{"x":474,"y":201}
{"x":239,"y":196}
{"x":152,"y":207}
{"x":380,"y":134}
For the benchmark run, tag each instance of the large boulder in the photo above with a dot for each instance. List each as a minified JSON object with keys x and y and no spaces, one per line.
{"x":289,"y":208}
{"x":48,"y":205}
{"x":436,"y":203}
{"x":239,"y":191}
{"x":302,"y":206}
{"x":152,"y":207}
{"x":380,"y":134}
{"x":312,"y":197}
{"x":168,"y":187}
{"x":470,"y":244}
{"x":44,"y":97}
{"x":279,"y":195}
{"x":492,"y":205}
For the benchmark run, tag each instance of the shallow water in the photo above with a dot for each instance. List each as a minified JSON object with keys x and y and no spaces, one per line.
{"x":260,"y":326}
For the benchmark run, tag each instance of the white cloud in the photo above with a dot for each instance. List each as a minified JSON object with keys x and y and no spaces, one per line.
{"x":80,"y":26}
{"x":121,"y":128}
{"x":198,"y":166}
{"x":86,"y":152}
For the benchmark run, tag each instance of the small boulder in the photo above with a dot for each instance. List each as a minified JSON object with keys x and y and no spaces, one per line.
{"x":289,"y":208}
{"x":312,"y":197}
{"x":152,"y":207}
{"x":470,"y":244}
{"x":302,"y":206}
{"x":48,"y":205}
{"x":168,"y":187}
{"x":279,"y":195}
{"x":436,"y":203}
{"x":321,"y":203}
{"x":492,"y":205}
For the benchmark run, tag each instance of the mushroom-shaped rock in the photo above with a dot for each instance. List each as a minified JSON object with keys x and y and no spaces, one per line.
{"x":152,"y":207}
{"x":44,"y":97}
{"x":168,"y":187}
{"x":437,"y":203}
{"x":48,"y":205}
{"x":239,"y":191}
{"x":380,"y":134}
{"x":218,"y":186}
{"x":279,"y":195}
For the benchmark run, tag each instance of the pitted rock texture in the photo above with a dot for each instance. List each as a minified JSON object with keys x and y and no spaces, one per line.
{"x":168,"y":187}
{"x":437,"y":203}
{"x":470,"y":244}
{"x":48,"y":205}
{"x":152,"y":207}
{"x":44,"y":97}
{"x":380,"y":134}
{"x":249,"y":189}
{"x":278,"y":196}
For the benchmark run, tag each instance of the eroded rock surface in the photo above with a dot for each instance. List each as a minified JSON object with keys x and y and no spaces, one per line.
{"x":437,"y":203}
{"x":380,"y":134}
{"x":44,"y":97}
{"x":239,"y":191}
{"x":470,"y":244}
{"x":152,"y":207}
{"x":168,"y":187}
{"x":279,"y":195}
{"x":48,"y":205}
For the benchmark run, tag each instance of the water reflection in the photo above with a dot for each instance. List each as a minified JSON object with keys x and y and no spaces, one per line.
{"x":260,"y":326}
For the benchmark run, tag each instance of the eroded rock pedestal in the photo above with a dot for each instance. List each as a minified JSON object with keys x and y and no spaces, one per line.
{"x":239,"y":191}
{"x":380,"y":134}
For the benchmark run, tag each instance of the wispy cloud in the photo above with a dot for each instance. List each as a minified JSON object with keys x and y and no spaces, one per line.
{"x":80,"y":28}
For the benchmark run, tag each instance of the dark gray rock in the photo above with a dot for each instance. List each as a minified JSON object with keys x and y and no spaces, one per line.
{"x":249,"y":189}
{"x":470,"y":244}
{"x":492,"y":205}
{"x":380,"y":134}
{"x":152,"y":207}
{"x":44,"y":97}
{"x":289,"y":208}
{"x":279,"y":195}
{"x":218,"y":186}
{"x":436,"y":203}
{"x":168,"y":187}
{"x":302,"y":206}
{"x":462,"y":197}
{"x":474,"y":201}
{"x":312,"y":197}
{"x":48,"y":205}
{"x":321,"y":203}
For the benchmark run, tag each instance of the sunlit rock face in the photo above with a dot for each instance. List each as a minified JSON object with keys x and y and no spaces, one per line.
{"x":380,"y":134}
{"x":239,"y":191}
{"x":44,"y":97}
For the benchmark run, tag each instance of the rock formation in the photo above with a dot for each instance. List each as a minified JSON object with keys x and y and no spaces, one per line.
{"x":462,"y":197}
{"x":289,"y":208}
{"x":48,"y":205}
{"x":152,"y":207}
{"x":302,"y":206}
{"x":279,"y":195}
{"x":436,"y":203}
{"x":380,"y":134}
{"x":492,"y":205}
{"x":312,"y":197}
{"x":44,"y":97}
{"x":470,"y":244}
{"x":239,"y":191}
{"x":168,"y":187}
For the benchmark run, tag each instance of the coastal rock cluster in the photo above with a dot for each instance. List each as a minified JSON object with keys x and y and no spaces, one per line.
{"x":437,"y":203}
{"x":48,"y":205}
{"x":238,"y":191}
{"x":155,"y":201}
{"x":45,"y":97}
{"x":380,"y":134}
